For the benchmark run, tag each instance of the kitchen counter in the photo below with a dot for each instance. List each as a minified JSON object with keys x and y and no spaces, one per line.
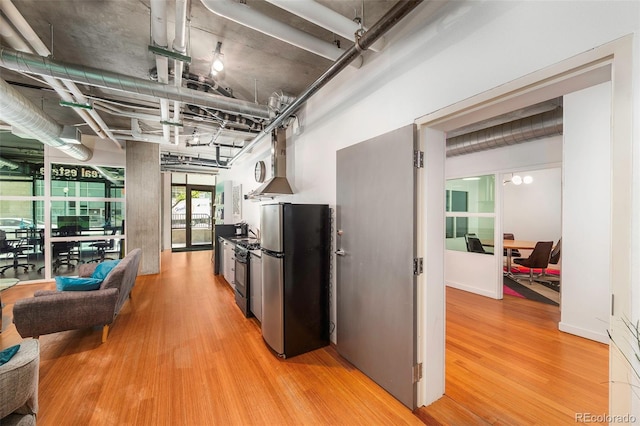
{"x":246,"y":242}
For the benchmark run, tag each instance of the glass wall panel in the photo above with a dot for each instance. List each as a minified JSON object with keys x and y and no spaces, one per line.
{"x":474,"y":194}
{"x":178,"y":216}
{"x":87,"y":215}
{"x":470,"y":213}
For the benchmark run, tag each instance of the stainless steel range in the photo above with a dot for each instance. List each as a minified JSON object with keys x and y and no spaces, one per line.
{"x":242,"y":281}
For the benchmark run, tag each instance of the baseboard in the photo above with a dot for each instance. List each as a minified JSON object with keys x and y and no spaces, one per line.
{"x":582,"y":332}
{"x":473,"y":290}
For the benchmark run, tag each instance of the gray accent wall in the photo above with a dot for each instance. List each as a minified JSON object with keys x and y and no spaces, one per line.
{"x":143,"y":197}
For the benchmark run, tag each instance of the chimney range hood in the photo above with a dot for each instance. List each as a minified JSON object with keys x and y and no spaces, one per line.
{"x":278,"y":184}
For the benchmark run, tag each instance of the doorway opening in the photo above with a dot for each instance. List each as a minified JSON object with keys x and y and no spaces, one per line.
{"x":583,"y":71}
{"x":191,"y":217}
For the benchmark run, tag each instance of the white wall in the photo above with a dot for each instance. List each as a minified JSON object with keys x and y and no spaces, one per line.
{"x":533,"y":212}
{"x":432,"y":61}
{"x":586,"y":243}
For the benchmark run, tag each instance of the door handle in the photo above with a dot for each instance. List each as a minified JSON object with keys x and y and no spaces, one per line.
{"x":340,"y":252}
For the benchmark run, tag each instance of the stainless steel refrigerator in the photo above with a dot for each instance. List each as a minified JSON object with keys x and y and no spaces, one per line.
{"x":295,"y":244}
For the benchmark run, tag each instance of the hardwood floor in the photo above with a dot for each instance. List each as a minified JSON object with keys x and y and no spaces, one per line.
{"x":508,"y":364}
{"x":181,"y":353}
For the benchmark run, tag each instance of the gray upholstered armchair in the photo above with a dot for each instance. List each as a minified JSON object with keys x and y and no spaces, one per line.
{"x":19,"y":386}
{"x":54,"y":311}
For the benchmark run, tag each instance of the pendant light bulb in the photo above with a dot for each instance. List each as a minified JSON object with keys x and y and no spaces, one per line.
{"x":217,"y":65}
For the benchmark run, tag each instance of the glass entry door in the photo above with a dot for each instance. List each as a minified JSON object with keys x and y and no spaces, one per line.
{"x":191,"y":217}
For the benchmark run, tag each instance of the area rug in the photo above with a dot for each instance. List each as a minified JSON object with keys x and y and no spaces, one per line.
{"x":511,"y":286}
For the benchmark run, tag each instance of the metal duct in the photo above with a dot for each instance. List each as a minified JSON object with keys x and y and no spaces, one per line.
{"x":250,"y":18}
{"x":392,"y":17}
{"x":278,"y":184}
{"x":327,"y":18}
{"x":31,"y":64}
{"x":33,"y":41}
{"x":537,"y":126}
{"x":19,"y":112}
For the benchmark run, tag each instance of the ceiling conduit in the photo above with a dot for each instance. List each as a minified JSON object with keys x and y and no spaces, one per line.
{"x":248,"y":17}
{"x":537,"y":126}
{"x":31,"y":64}
{"x":322,"y":16}
{"x":20,"y":113}
{"x":90,"y":117}
{"x":392,"y":17}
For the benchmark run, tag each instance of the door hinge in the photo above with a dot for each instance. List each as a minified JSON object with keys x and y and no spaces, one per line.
{"x":612,"y":311}
{"x":417,"y":373}
{"x":418,"y":159}
{"x":417,"y":266}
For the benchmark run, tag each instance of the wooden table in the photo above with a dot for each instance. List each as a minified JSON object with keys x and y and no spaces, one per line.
{"x":5,"y":283}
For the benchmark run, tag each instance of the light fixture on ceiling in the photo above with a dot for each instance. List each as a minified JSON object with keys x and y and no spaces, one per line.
{"x":518,"y":180}
{"x":217,"y":65}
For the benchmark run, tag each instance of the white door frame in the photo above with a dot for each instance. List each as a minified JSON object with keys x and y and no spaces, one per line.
{"x":612,"y":61}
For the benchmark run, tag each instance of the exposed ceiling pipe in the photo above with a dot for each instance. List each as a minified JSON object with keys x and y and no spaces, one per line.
{"x":31,"y":64}
{"x":19,"y":112}
{"x":14,"y":40}
{"x":524,"y":129}
{"x":248,"y":17}
{"x":136,"y":132}
{"x":395,"y":14}
{"x":327,"y":18}
{"x":159,"y":38}
{"x":179,"y":45}
{"x":168,"y":159}
{"x":113,"y":110}
{"x":90,"y":117}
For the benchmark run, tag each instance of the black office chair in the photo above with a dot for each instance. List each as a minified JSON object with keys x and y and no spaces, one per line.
{"x":102,"y":247}
{"x":539,"y":258}
{"x":474,"y":245}
{"x":554,"y":259}
{"x":16,"y":250}
{"x":64,"y":252}
{"x":466,"y":240}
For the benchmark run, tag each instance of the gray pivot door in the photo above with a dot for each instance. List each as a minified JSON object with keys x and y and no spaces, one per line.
{"x":376,"y":291}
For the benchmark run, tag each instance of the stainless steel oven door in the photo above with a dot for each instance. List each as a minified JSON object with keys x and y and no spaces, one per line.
{"x":241,"y":277}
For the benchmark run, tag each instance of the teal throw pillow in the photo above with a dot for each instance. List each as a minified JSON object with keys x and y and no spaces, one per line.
{"x":77,"y":284}
{"x":103,"y":269}
{"x":8,"y":353}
